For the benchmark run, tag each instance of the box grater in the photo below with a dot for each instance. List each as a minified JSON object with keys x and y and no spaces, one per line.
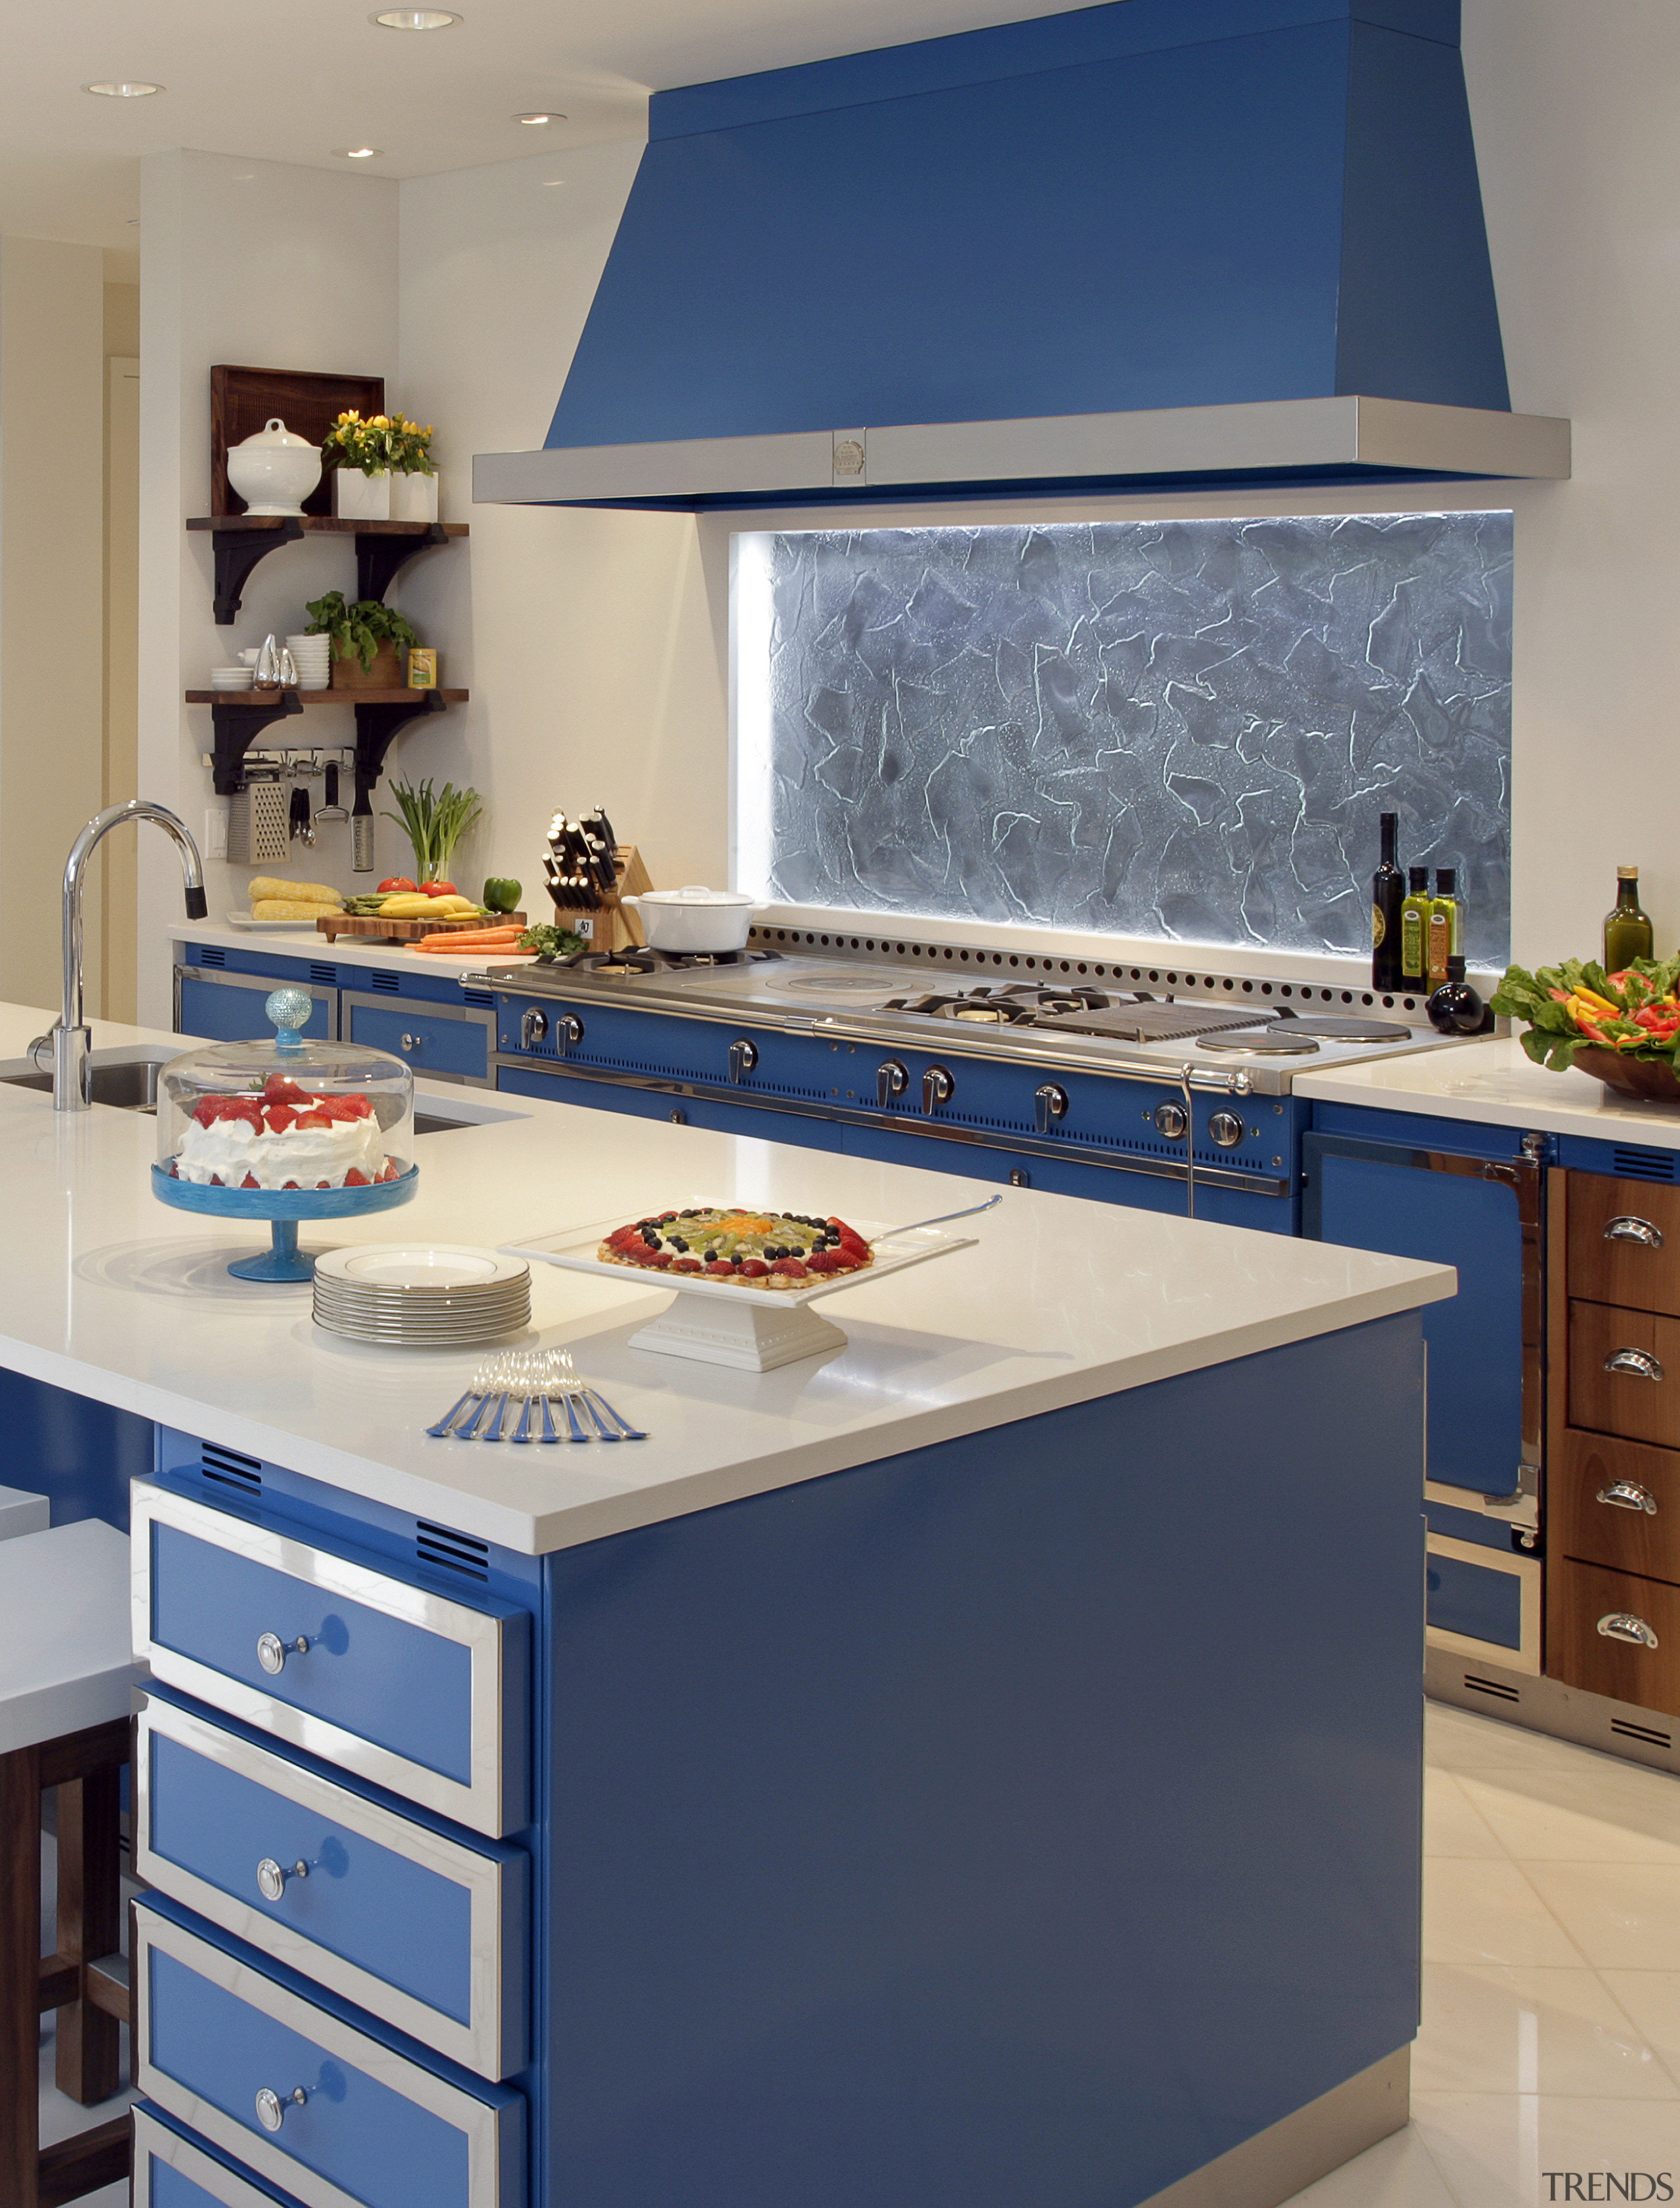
{"x":259,"y":828}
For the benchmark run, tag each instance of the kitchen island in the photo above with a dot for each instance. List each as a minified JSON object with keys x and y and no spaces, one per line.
{"x":915,"y":1776}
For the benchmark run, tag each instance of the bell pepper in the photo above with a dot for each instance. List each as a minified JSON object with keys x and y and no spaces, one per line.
{"x":502,"y":893}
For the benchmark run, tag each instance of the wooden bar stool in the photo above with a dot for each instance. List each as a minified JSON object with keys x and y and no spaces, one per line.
{"x":66,"y":1672}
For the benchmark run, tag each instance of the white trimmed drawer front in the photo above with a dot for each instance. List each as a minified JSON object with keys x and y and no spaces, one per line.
{"x":333,"y":2114}
{"x":427,"y":1931}
{"x":172,"y":2172}
{"x":412,"y":1690}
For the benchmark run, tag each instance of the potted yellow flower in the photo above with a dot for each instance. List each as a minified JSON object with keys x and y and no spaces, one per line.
{"x":359,"y":454}
{"x":414,"y":481}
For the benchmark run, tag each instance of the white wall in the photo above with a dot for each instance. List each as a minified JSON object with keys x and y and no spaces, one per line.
{"x":51,"y":592}
{"x":585,"y":637}
{"x":262,"y":265}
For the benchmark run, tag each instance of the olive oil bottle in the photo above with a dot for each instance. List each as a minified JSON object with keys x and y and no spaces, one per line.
{"x":1414,"y":928}
{"x":1445,"y":937}
{"x":1387,"y":889}
{"x":1627,"y":928}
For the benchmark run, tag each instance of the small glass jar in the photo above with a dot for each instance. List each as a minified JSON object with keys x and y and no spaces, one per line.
{"x":285,"y":1114}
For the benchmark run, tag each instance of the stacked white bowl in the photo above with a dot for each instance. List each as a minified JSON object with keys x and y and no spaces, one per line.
{"x":312,"y":657}
{"x":231,"y":678}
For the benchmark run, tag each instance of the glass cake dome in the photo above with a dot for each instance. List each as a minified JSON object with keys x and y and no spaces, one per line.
{"x":285,"y":1130}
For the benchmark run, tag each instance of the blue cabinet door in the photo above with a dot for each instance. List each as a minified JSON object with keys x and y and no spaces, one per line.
{"x":1482,"y":1215}
{"x":232,"y":1011}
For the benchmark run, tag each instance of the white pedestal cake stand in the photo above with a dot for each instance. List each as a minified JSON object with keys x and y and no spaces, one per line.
{"x":717,"y":1322}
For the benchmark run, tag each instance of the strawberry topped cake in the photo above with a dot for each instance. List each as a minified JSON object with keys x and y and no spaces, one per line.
{"x":284,"y":1137}
{"x":749,"y":1249}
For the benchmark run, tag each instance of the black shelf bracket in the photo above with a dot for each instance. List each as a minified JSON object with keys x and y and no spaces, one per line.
{"x":378,"y":559}
{"x":238,"y":551}
{"x":237,"y":727}
{"x":378,"y":727}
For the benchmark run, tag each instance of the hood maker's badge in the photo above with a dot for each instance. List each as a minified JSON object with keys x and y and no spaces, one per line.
{"x":851,"y":456}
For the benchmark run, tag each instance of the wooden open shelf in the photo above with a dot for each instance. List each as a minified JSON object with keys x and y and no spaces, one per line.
{"x":331,"y":524}
{"x":250,"y":699}
{"x":381,"y":547}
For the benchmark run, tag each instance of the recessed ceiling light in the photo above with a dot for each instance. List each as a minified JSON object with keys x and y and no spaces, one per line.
{"x":535,"y":120}
{"x":414,"y":19}
{"x":123,"y":91}
{"x":358,"y":153}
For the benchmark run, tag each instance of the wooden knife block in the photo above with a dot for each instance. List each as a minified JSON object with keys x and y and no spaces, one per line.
{"x":611,"y":928}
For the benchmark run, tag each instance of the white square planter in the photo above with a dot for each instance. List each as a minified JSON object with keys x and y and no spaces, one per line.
{"x":413,"y":498}
{"x":357,"y":497}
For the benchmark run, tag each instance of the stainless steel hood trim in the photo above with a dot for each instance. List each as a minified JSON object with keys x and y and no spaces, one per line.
{"x":906,"y":1122}
{"x":1279,"y":436}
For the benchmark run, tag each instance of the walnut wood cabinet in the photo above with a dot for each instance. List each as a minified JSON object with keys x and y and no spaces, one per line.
{"x":1613,"y":1505}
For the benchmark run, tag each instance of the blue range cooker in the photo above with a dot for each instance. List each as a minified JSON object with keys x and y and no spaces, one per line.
{"x":1159,"y":1088}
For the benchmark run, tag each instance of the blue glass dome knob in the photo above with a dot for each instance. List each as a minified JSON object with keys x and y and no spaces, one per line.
{"x":289,"y":1008}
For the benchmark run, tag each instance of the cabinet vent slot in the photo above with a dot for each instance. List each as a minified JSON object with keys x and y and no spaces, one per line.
{"x":455,"y":1552}
{"x":324,"y":977}
{"x":388,"y":985}
{"x":481,"y":997}
{"x":1648,"y":1734}
{"x":213,"y":954}
{"x":1644,"y":1164}
{"x":230,"y":1469}
{"x":1497,"y":1687}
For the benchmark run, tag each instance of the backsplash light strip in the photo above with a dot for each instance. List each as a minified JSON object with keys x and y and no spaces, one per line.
{"x":1179,"y":732}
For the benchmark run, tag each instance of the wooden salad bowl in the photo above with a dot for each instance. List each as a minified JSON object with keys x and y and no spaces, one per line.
{"x":1653,"y":1078}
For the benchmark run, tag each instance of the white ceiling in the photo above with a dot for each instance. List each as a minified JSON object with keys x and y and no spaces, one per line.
{"x":294,"y":82}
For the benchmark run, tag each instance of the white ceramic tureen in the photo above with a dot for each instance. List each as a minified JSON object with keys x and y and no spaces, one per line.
{"x":272,"y":470}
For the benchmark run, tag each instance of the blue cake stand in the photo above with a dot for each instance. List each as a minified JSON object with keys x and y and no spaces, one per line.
{"x":284,"y":1208}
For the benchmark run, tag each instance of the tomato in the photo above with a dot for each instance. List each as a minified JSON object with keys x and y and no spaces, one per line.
{"x":437,"y":889}
{"x":395,"y":882}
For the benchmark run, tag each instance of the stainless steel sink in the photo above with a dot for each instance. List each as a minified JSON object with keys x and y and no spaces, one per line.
{"x":129,"y":1086}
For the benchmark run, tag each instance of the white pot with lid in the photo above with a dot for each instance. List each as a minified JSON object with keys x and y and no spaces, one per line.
{"x":272,"y":470}
{"x":693,"y":918}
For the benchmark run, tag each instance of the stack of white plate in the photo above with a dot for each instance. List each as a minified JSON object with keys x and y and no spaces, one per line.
{"x":435,"y":1295}
{"x":231,"y":678}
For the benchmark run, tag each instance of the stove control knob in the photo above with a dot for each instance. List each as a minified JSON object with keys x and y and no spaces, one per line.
{"x":568,"y":1033}
{"x":743,"y":1057}
{"x":1049,"y":1104}
{"x":937,"y":1086}
{"x":533,"y":1026}
{"x":891,"y":1079}
{"x":1171,"y":1120}
{"x":1227,"y":1130}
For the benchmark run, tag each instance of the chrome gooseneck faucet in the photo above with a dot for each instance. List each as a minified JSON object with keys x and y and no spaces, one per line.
{"x":69,"y":1036}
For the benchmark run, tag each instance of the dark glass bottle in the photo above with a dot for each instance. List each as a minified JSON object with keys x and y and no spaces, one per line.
{"x":1455,"y":1008}
{"x":1388,"y":892}
{"x":1627,"y":928}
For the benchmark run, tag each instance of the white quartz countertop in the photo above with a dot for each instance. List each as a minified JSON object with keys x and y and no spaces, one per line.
{"x":346,"y":950}
{"x":1493,"y":1080}
{"x":105,"y":1292}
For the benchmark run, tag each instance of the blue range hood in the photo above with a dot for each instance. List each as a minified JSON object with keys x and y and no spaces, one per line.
{"x":1159,"y":240}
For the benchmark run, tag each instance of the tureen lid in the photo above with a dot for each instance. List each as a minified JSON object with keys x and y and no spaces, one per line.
{"x":690,"y":893}
{"x":273,"y":432}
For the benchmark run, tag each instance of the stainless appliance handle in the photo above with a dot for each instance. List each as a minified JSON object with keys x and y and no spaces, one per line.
{"x":1622,"y":1625}
{"x":1628,"y":1495}
{"x":1638,"y":1363}
{"x":1625,"y":1227}
{"x":1186,"y":1083}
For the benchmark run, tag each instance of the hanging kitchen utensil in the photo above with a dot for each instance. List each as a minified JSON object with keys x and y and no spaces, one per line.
{"x":302,"y":827}
{"x":362,"y":832}
{"x":330,"y":807}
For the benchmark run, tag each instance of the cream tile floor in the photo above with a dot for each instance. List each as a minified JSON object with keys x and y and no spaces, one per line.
{"x":1550,"y":2035}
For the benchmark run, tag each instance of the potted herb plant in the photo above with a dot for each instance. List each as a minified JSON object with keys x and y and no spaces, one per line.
{"x":367,"y":639}
{"x":414,"y":478}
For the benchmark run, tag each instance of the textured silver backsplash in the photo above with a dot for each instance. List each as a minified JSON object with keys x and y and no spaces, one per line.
{"x":1182,"y":731}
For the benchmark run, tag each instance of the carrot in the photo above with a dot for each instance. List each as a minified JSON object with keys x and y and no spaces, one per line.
{"x":445,"y":944}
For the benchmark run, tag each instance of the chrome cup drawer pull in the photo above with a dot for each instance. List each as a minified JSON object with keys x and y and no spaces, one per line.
{"x":1625,"y":1229}
{"x":1628,"y":1495}
{"x":1639,"y":1363}
{"x":271,"y":1877}
{"x":271,"y":2108}
{"x":1622,"y":1625}
{"x":272,"y":1652}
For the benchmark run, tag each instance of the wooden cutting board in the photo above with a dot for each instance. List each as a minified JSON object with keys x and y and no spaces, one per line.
{"x":407,"y":931}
